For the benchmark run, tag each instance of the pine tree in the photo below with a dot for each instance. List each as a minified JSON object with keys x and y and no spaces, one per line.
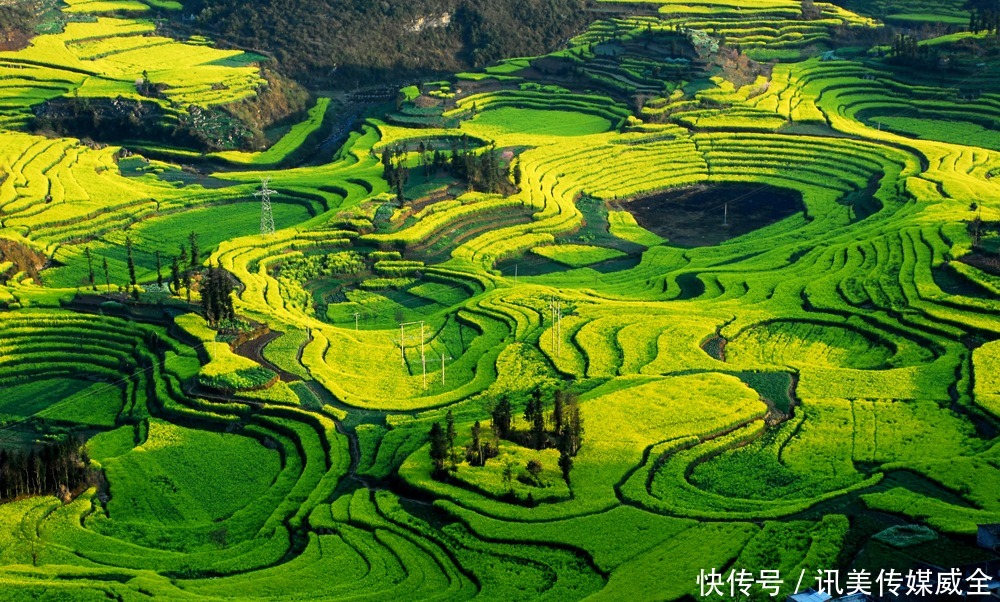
{"x":557,"y":413}
{"x":476,"y":447}
{"x":502,"y":417}
{"x":107,"y":274}
{"x":193,"y":239}
{"x":131,"y":261}
{"x":534,"y":413}
{"x":159,"y":270}
{"x":90,"y":268}
{"x":207,"y":299}
{"x":575,"y":423}
{"x":508,"y":476}
{"x":450,"y":422}
{"x":565,"y":446}
{"x":175,"y":275}
{"x":565,"y":465}
{"x":387,"y":165}
{"x":439,"y":448}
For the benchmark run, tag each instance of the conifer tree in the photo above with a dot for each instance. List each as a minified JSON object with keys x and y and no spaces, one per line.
{"x":90,"y":268}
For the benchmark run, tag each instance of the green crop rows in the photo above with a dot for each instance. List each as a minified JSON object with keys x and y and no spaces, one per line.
{"x":768,"y":402}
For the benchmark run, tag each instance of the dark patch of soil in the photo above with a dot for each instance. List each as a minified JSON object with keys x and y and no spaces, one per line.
{"x":955,"y":283}
{"x":987,"y":262}
{"x":706,"y":215}
{"x":24,"y":259}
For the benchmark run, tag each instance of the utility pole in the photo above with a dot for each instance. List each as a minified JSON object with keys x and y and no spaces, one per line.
{"x":402,"y":353}
{"x":356,"y":316}
{"x":725,"y":215}
{"x":443,"y":358}
{"x":423,"y":358}
{"x":515,"y":274}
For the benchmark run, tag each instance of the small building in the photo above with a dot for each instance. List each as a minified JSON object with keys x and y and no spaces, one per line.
{"x":809,"y":595}
{"x":988,"y":536}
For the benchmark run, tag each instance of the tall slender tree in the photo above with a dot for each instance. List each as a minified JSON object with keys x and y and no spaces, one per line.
{"x":502,"y":415}
{"x":193,"y":239}
{"x":90,"y":267}
{"x":133,"y":285}
{"x":130,"y":260}
{"x":159,"y":270}
{"x":175,"y":275}
{"x":450,"y":422}
{"x":107,"y":275}
{"x":439,"y":449}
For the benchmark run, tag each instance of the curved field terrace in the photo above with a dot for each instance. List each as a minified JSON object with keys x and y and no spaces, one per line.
{"x":664,"y":300}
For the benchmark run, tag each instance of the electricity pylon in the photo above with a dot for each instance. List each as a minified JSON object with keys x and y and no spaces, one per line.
{"x":266,"y":217}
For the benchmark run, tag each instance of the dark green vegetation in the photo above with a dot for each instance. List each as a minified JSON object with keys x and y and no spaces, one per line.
{"x":691,"y":286}
{"x":351,"y":42}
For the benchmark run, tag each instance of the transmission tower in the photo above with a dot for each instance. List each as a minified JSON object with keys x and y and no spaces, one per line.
{"x":266,"y":217}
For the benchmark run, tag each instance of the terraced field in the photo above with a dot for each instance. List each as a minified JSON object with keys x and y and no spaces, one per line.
{"x":763,"y":396}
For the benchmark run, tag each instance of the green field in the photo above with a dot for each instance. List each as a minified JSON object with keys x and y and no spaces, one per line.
{"x":802,"y":390}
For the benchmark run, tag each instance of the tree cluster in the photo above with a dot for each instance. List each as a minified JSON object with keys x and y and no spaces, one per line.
{"x":216,"y":297}
{"x":17,"y":24}
{"x":55,"y":469}
{"x":394,"y":170}
{"x":984,"y":16}
{"x":562,"y":428}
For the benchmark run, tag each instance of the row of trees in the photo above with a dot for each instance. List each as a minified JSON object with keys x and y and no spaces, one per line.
{"x":180,"y":269}
{"x":55,"y":469}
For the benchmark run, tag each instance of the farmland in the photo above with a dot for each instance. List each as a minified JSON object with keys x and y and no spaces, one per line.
{"x":715,"y":285}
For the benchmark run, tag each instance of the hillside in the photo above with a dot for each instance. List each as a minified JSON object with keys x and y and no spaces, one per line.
{"x":358,"y":42}
{"x":712,"y":288}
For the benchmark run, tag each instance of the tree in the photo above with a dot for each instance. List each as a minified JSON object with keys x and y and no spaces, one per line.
{"x":439,"y":448}
{"x":534,"y":414}
{"x":557,"y":413}
{"x":175,"y":275}
{"x":90,"y":267}
{"x":193,"y":239}
{"x":502,"y":416}
{"x":186,"y":280}
{"x":387,"y":165}
{"x":534,"y":468}
{"x":575,"y":424}
{"x":565,"y":448}
{"x":131,"y":266}
{"x":475,"y":453}
{"x":209,"y":300}
{"x":565,"y":465}
{"x":508,"y":475}
{"x":450,"y":422}
{"x":107,"y":274}
{"x":159,"y":270}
